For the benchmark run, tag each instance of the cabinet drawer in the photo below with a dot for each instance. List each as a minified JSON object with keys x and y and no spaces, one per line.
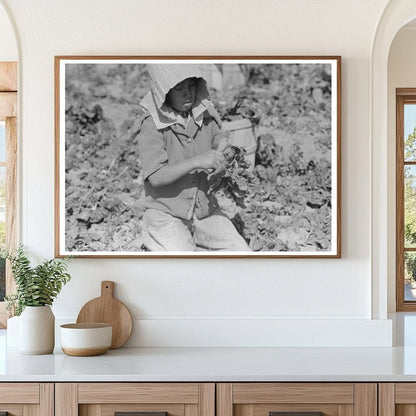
{"x":148,"y":399}
{"x":19,"y":393}
{"x":21,"y":399}
{"x":138,"y":393}
{"x":297,"y":399}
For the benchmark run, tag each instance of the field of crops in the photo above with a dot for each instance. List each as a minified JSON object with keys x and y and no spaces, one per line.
{"x":288,"y":202}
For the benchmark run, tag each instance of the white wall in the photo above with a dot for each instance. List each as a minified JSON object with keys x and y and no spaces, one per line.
{"x":401,"y":74}
{"x":8,"y":46}
{"x":211,"y":301}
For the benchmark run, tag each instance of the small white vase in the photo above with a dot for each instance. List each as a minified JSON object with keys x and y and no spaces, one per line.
{"x":37,"y":330}
{"x":12,"y":334}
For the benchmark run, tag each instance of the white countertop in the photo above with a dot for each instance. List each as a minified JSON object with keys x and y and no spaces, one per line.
{"x":215,"y":364}
{"x":221,"y":364}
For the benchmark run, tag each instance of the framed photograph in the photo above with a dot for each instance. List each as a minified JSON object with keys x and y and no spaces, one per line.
{"x":198,"y":156}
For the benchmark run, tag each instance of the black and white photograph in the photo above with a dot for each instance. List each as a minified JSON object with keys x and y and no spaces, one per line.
{"x":197,"y":157}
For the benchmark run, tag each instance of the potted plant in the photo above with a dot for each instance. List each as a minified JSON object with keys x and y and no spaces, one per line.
{"x":36,"y":289}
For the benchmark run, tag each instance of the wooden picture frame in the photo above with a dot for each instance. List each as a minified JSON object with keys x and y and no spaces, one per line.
{"x":284,"y":111}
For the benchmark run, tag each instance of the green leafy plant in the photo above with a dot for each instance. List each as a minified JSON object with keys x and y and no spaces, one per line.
{"x":233,"y":181}
{"x":35,"y":285}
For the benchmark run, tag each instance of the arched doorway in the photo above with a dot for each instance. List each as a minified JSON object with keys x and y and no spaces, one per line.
{"x":396,"y":15}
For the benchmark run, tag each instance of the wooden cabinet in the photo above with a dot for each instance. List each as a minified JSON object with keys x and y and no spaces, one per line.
{"x":106,"y":399}
{"x":208,"y":399}
{"x":264,"y":399}
{"x":397,"y":399}
{"x":27,"y":399}
{"x":221,"y":399}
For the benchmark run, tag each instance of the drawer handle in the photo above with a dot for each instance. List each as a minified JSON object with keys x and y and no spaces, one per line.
{"x":295,"y":413}
{"x":139,"y":414}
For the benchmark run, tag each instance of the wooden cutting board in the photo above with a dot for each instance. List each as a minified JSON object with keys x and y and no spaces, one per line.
{"x":109,"y":310}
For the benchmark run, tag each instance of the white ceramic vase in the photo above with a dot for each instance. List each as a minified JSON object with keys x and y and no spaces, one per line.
{"x":37,"y":330}
{"x":12,"y":334}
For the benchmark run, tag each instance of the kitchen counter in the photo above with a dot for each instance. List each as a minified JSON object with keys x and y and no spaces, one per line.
{"x":215,"y":364}
{"x":222,"y":364}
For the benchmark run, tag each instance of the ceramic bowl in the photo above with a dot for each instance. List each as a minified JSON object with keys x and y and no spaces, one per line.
{"x":84,"y":340}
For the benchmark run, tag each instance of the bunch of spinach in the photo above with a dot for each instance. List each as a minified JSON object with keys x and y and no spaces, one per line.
{"x":233,"y":181}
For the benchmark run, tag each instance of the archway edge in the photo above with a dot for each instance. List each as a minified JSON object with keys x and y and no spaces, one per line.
{"x":396,"y":14}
